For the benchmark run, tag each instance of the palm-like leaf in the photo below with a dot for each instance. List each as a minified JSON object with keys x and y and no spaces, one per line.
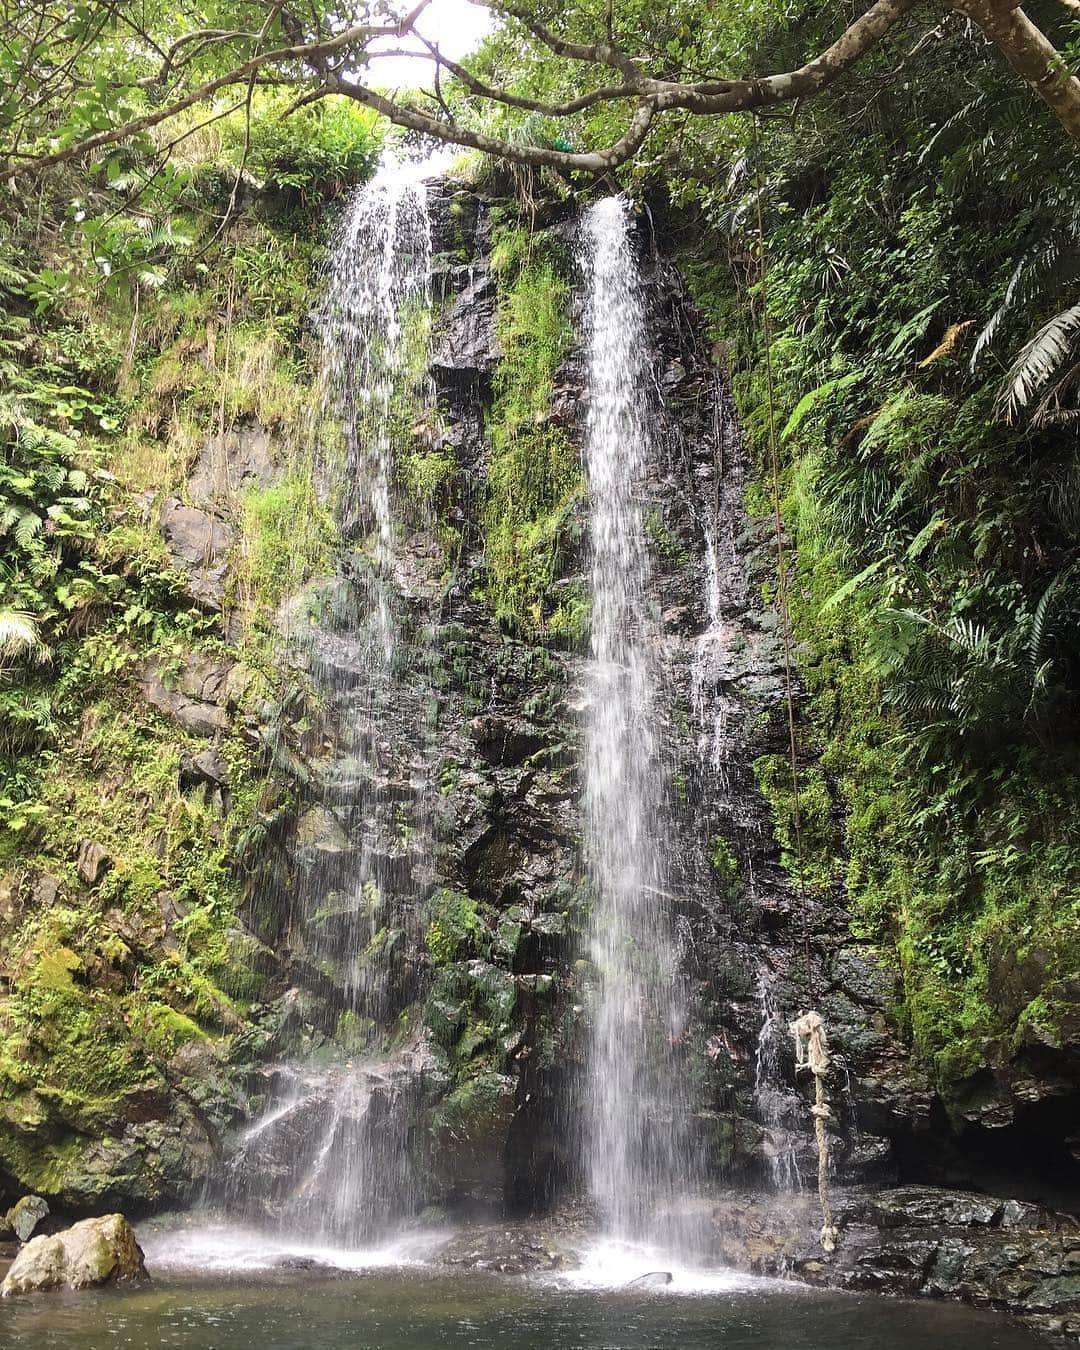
{"x":20,"y":638}
{"x":1037,"y":362}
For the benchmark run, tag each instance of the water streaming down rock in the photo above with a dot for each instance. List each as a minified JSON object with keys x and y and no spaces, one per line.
{"x":638,"y":1159}
{"x":773,"y":1095}
{"x":332,"y":1156}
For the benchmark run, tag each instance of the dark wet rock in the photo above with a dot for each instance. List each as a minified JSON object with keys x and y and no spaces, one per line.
{"x":93,"y":1252}
{"x":471,"y":1130}
{"x":914,"y":1241}
{"x":467,"y":349}
{"x":921,"y":1207}
{"x":201,"y":694}
{"x":92,"y":863}
{"x":25,"y":1215}
{"x":509,"y":1249}
{"x":207,"y":766}
{"x":419,"y":567}
{"x":319,"y":830}
{"x":158,"y":1152}
{"x":198,"y":543}
{"x":504,"y":740}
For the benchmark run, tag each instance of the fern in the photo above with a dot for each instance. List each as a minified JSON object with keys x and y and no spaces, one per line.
{"x":27,"y":526}
{"x":20,"y":638}
{"x":1037,"y":362}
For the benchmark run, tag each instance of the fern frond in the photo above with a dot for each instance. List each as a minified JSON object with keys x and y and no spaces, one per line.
{"x":1037,"y":362}
{"x":1048,"y":411}
{"x":20,"y":638}
{"x":27,"y":528}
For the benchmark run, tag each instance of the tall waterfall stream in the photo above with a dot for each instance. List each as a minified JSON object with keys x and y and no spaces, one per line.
{"x":639,"y":1160}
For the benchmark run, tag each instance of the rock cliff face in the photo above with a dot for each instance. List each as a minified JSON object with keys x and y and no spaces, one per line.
{"x":478,"y":992}
{"x":485,"y":967}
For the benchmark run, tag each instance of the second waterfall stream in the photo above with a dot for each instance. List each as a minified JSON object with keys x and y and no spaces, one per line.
{"x":332,"y":1159}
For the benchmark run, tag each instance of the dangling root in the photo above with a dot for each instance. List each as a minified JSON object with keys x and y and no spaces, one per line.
{"x":812,"y":1056}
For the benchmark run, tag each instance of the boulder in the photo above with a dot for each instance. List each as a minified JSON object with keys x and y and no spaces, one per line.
{"x":45,"y":890}
{"x":25,"y":1215}
{"x":208,"y":766}
{"x":200,"y":695}
{"x":230,"y":464}
{"x":93,"y":862}
{"x":198,"y":543}
{"x":93,"y":1252}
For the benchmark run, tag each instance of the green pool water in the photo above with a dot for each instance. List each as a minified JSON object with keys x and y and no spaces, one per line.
{"x":414,"y":1309}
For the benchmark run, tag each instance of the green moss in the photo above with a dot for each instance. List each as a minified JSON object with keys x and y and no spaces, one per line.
{"x":725,"y":865}
{"x":926,"y":789}
{"x":535,"y":479}
{"x":454,"y":925}
{"x":668,"y":546}
{"x":165,"y":1030}
{"x":815,"y":831}
{"x":289,"y":534}
{"x":425,"y":474}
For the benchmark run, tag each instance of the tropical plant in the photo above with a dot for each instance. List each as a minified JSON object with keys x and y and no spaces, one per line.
{"x":1049,"y":366}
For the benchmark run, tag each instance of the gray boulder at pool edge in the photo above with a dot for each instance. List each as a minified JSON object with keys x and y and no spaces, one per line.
{"x":24,"y":1216}
{"x":95,"y":1251}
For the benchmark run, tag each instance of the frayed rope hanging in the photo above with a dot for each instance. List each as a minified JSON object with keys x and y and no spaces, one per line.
{"x":812,"y":1056}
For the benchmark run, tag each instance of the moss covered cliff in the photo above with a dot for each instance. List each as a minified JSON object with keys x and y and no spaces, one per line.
{"x":166,"y":753}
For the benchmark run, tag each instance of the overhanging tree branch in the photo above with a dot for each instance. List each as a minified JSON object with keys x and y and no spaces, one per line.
{"x":329,"y":63}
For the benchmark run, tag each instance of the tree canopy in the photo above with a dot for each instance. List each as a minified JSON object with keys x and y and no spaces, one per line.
{"x":95,"y":78}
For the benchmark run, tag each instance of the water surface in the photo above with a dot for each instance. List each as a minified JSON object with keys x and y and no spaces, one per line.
{"x":416,"y":1309}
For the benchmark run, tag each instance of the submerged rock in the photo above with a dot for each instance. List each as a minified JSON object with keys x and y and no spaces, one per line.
{"x":93,"y":1252}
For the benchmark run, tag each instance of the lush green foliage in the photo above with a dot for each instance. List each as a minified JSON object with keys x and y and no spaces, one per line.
{"x":534,"y":475}
{"x":123,"y":351}
{"x":935,"y":594}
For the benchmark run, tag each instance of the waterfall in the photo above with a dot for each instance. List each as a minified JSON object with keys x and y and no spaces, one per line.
{"x":332,"y":1155}
{"x":373,"y":323}
{"x":637,"y":1156}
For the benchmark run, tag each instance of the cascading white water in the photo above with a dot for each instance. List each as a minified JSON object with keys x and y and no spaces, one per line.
{"x":374,"y":328}
{"x":332,"y":1157}
{"x":636,"y":1151}
{"x":373,"y":324}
